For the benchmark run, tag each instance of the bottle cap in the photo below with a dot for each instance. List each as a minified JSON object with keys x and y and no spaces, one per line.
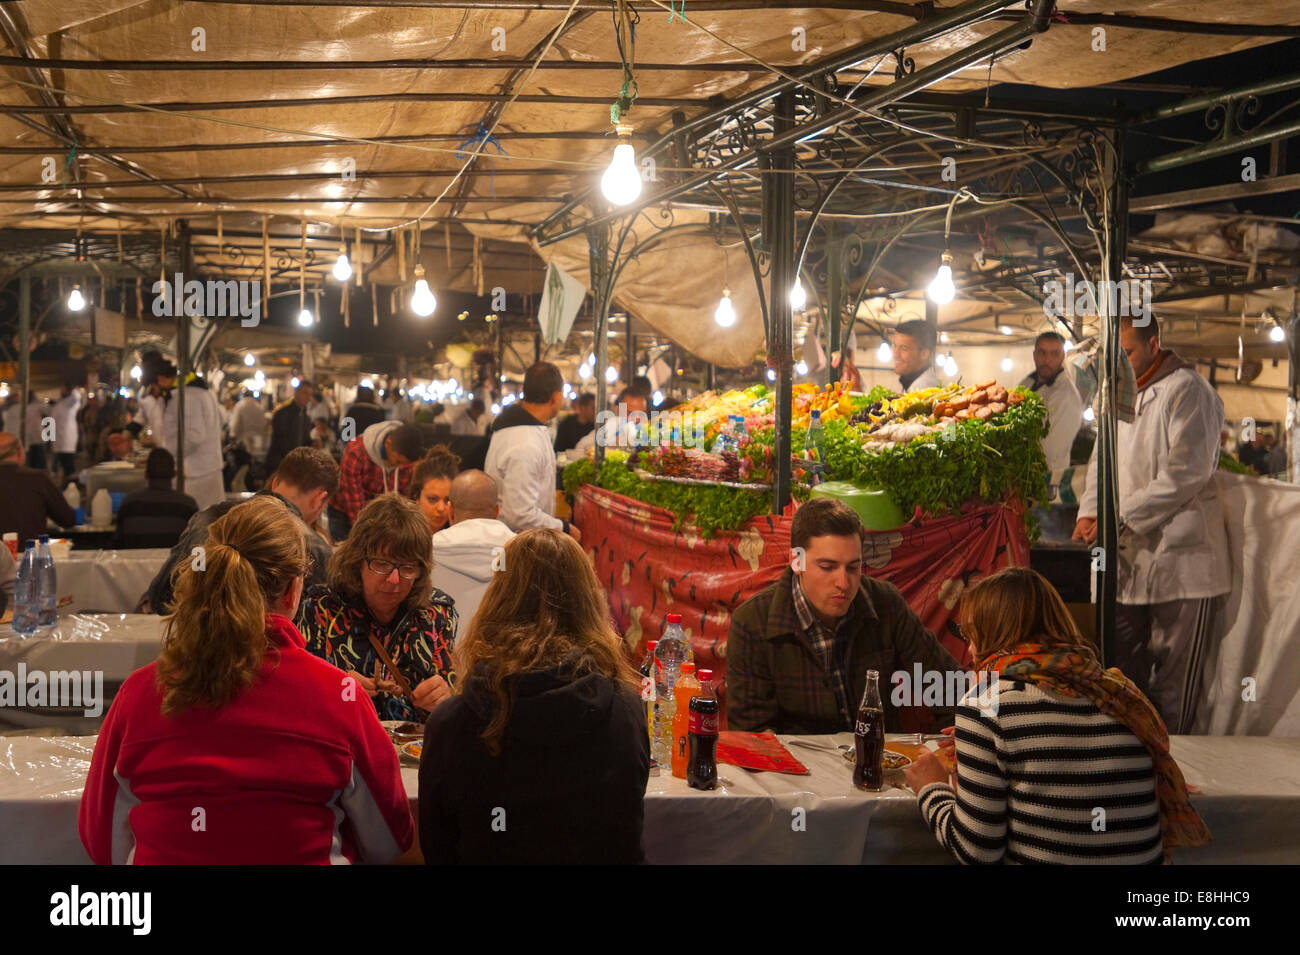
{"x":674,"y":618}
{"x":816,"y":413}
{"x":705,"y":675}
{"x":45,"y":538}
{"x":688,"y":667}
{"x":650,"y":645}
{"x":31,"y":544}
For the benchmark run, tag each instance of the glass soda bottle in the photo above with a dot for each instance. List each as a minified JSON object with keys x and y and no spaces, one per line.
{"x":702,"y":736}
{"x":869,"y":737}
{"x":672,"y":651}
{"x":687,"y":688}
{"x":648,"y":695}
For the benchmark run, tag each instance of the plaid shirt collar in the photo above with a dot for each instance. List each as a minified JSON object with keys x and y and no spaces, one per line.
{"x":828,"y":643}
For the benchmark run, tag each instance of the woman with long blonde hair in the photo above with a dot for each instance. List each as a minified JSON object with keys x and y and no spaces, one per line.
{"x":1057,"y":759}
{"x":237,"y":746}
{"x":543,"y":754}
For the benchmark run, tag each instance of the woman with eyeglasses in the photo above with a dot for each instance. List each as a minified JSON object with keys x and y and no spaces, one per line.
{"x":380,"y":619}
{"x":237,"y":746}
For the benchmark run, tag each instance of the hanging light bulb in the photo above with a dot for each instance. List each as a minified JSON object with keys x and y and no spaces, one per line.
{"x":621,"y":182}
{"x":584,"y":371}
{"x":423,"y":301}
{"x":75,"y":300}
{"x":343,"y":268}
{"x":1006,"y":363}
{"x":1088,"y":414}
{"x":797,"y":296}
{"x":305,"y":318}
{"x":496,"y":408}
{"x":136,"y":372}
{"x":367,"y":383}
{"x":1006,"y":330}
{"x":950,"y":366}
{"x":941,"y":290}
{"x":611,"y":374}
{"x":884,"y":354}
{"x":295,"y":381}
{"x":249,"y":359}
{"x":801,"y":368}
{"x":724,"y":316}
{"x":939,"y":360}
{"x":657,"y":398}
{"x":1277,"y":334}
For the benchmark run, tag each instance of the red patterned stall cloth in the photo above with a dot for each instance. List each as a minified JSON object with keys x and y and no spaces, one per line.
{"x":651,"y":570}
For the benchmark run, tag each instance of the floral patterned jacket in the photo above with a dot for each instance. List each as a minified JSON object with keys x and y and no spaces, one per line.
{"x":419,"y":642}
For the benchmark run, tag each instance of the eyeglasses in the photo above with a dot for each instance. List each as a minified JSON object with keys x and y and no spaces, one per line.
{"x":383,"y":568}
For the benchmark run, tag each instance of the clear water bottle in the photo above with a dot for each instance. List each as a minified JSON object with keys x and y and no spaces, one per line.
{"x":672,"y":651}
{"x":739,"y":433}
{"x":724,"y":441}
{"x":26,"y":592}
{"x":47,"y":613}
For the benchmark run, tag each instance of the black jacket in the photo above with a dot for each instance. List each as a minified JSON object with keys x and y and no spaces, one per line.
{"x":159,"y":595}
{"x":567,"y":788}
{"x":155,"y":516}
{"x":290,"y":428}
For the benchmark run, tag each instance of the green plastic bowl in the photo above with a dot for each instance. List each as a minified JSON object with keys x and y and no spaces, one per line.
{"x":876,"y":508}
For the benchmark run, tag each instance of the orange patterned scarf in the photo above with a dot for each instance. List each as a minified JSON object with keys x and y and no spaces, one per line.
{"x":1074,"y":671}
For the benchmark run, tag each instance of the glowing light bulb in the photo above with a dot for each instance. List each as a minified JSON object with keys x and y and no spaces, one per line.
{"x":249,"y":359}
{"x":621,"y":182}
{"x":1006,"y":330}
{"x":724,"y":316}
{"x":611,"y":374}
{"x":657,"y":398}
{"x":75,"y":300}
{"x":496,"y":408}
{"x":1006,"y":363}
{"x":367,"y":383}
{"x":1277,"y":334}
{"x":343,"y":268}
{"x":771,"y":374}
{"x":797,"y":296}
{"x":950,"y":367}
{"x":801,"y":368}
{"x":295,"y":381}
{"x":943,"y":337}
{"x":423,"y":301}
{"x":1088,"y":414}
{"x":306,"y":319}
{"x":939,"y":360}
{"x":884,"y":354}
{"x":584,"y":371}
{"x":941,"y":290}
{"x":136,"y":372}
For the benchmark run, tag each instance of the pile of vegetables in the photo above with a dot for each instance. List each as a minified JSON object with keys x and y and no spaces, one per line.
{"x":936,"y":450}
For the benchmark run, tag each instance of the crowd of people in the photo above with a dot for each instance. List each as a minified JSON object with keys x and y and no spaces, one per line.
{"x":387,"y":583}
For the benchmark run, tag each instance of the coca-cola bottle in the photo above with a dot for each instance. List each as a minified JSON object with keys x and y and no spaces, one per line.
{"x":702,"y":767}
{"x":869,"y":737}
{"x":648,"y":694}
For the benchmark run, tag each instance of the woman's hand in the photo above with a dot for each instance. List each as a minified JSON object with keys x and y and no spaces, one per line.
{"x":926,"y":769}
{"x":373,"y":687}
{"x":431,"y":692}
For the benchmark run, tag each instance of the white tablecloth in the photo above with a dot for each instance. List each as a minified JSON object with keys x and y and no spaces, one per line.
{"x":108,"y":581}
{"x":1248,"y":792}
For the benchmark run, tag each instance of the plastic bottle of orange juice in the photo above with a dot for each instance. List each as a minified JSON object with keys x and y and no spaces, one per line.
{"x":687,"y":687}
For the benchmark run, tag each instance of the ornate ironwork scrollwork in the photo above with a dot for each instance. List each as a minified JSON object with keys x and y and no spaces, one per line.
{"x":1228,"y":117}
{"x":903,"y":64}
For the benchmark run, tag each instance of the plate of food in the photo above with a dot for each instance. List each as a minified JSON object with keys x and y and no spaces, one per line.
{"x":401,"y":731}
{"x":411,"y":751}
{"x":893,"y":760}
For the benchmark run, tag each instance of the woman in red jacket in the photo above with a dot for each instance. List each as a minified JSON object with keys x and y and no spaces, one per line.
{"x":237,"y":746}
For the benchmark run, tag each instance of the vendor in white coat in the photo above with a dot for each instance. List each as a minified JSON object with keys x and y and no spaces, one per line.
{"x":1173,"y":545}
{"x":203,"y":461}
{"x":1054,"y":383}
{"x":520,"y":457}
{"x":468,"y":552}
{"x":914,"y":344}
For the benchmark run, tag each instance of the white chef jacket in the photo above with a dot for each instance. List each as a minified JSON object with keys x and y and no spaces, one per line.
{"x":203,"y":460}
{"x":1064,"y":418}
{"x":65,"y":422}
{"x":927,"y":379}
{"x":1167,"y":458}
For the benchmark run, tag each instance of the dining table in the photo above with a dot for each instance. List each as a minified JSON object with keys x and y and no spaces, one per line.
{"x":1246,"y":788}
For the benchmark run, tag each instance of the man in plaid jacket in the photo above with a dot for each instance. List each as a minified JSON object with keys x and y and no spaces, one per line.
{"x":377,"y":461}
{"x":799,"y":651}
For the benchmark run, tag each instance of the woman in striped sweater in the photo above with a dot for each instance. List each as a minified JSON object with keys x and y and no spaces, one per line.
{"x":1057,"y":760}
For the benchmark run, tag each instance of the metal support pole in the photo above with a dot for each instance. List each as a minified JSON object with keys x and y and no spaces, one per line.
{"x":630,"y":340}
{"x":182,"y":359}
{"x":25,"y":355}
{"x":599,"y":267}
{"x":778,"y":191}
{"x":834,"y":294}
{"x":1112,"y":266}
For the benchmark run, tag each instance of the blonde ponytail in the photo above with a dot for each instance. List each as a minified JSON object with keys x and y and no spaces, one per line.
{"x":215,"y":638}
